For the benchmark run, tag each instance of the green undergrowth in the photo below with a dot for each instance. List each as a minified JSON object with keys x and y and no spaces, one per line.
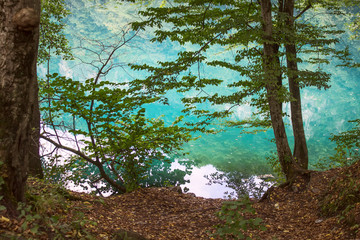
{"x":343,"y":197}
{"x":237,"y":218}
{"x":47,"y":214}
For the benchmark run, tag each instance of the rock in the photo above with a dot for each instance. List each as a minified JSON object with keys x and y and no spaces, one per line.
{"x":266,"y":176}
{"x":318,"y":220}
{"x":123,"y":234}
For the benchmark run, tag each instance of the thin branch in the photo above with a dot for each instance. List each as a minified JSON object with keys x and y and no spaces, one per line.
{"x":303,"y":11}
{"x":77,"y":152}
{"x":97,"y":164}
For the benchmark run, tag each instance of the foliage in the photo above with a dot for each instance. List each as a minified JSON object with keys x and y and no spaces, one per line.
{"x":45,"y":215}
{"x":159,"y":174}
{"x":252,"y":125}
{"x":118,"y":139}
{"x":235,"y":26}
{"x":229,"y":35}
{"x":346,"y":150}
{"x":29,"y":219}
{"x":354,"y":25}
{"x":118,"y":143}
{"x":54,"y":168}
{"x":343,"y":197}
{"x":78,"y":225}
{"x":52,"y":40}
{"x":235,"y":215}
{"x":348,"y":144}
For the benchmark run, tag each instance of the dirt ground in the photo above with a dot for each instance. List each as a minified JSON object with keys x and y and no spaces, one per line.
{"x":164,"y":214}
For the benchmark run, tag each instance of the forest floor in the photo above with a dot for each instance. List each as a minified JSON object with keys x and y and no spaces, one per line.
{"x":164,"y":214}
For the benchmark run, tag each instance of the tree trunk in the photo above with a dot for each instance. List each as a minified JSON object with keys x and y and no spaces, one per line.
{"x":35,"y":167}
{"x":19,"y":31}
{"x":300,"y":147}
{"x":272,"y":72}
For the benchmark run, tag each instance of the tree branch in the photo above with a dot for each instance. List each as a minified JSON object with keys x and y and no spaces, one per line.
{"x":58,"y":145}
{"x":97,"y":164}
{"x":303,"y":11}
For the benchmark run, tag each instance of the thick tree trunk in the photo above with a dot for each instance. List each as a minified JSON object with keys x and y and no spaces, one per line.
{"x":272,"y":72}
{"x":300,"y":147}
{"x":35,"y":167}
{"x":18,"y":91}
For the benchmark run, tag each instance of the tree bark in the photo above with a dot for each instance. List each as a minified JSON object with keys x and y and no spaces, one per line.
{"x":273,"y":75}
{"x":300,"y":148}
{"x":35,"y":167}
{"x":18,"y":91}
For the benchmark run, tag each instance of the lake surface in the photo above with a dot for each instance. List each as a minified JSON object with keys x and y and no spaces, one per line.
{"x":324,"y":112}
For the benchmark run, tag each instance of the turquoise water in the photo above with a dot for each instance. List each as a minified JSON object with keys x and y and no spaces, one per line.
{"x":324,"y":112}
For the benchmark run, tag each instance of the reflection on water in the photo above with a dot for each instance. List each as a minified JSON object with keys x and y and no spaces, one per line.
{"x":198,"y":183}
{"x":208,"y":182}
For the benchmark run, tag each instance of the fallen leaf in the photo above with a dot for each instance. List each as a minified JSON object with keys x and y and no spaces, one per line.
{"x":4,"y":219}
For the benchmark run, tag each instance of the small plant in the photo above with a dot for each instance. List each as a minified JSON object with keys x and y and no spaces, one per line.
{"x":236,"y":222}
{"x":43,"y":214}
{"x":343,"y":198}
{"x":78,"y":225}
{"x":344,"y":193}
{"x":346,"y":150}
{"x":29,"y":219}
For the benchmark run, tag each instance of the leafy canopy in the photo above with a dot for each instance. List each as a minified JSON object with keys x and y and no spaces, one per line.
{"x":117,"y":135}
{"x":233,"y":30}
{"x":113,"y":141}
{"x":52,"y":40}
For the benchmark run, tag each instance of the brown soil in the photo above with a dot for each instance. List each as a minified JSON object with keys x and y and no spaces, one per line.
{"x":164,"y":214}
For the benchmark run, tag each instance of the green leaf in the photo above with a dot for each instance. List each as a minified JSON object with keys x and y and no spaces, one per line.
{"x":34,"y":230}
